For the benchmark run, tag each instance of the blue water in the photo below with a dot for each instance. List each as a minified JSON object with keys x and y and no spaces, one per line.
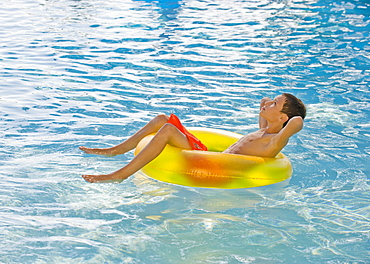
{"x":93,"y":72}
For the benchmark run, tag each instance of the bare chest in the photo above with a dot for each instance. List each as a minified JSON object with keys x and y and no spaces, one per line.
{"x":256,"y":143}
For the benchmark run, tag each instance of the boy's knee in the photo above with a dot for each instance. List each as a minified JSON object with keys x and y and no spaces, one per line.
{"x":167,"y":130}
{"x":162,"y":118}
{"x":168,"y":127}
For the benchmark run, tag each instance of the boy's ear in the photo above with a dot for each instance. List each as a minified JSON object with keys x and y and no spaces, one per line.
{"x":284,"y":117}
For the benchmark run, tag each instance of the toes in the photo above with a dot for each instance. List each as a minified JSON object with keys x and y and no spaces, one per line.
{"x":87,"y":178}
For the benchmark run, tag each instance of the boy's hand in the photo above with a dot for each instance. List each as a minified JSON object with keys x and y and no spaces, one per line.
{"x":264,"y":100}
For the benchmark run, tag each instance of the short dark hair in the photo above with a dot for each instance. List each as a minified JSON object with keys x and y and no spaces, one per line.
{"x":293,"y":107}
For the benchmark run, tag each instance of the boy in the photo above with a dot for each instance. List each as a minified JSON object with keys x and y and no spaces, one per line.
{"x":279,"y":119}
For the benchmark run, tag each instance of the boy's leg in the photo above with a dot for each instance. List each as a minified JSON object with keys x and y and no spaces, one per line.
{"x":168,"y":134}
{"x":152,"y":127}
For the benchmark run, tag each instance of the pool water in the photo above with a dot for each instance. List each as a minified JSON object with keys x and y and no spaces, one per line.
{"x":92,"y":72}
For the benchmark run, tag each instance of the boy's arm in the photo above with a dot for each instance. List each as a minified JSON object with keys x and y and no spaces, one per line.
{"x":262,"y":121}
{"x":295,"y":124}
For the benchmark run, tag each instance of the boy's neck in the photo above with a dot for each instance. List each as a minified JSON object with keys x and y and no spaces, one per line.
{"x":273,"y":128}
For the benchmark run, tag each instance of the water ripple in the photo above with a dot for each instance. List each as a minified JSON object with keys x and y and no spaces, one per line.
{"x":93,"y":72}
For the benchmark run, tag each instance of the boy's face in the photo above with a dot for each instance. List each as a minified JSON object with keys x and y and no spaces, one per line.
{"x":271,"y":110}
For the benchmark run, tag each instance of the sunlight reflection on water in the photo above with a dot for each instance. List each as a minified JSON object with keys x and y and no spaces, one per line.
{"x":93,"y":72}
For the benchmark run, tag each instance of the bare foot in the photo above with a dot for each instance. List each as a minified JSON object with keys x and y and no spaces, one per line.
{"x":103,"y":178}
{"x":99,"y":151}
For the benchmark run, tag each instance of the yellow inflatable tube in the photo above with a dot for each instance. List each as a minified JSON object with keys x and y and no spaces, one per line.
{"x":212,"y":169}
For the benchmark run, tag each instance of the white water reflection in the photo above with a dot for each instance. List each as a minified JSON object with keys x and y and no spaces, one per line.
{"x":93,"y":72}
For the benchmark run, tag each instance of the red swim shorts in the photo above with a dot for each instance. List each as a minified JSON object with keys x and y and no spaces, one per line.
{"x":193,"y":141}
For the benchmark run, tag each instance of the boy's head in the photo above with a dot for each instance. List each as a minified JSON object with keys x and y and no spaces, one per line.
{"x":293,"y":107}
